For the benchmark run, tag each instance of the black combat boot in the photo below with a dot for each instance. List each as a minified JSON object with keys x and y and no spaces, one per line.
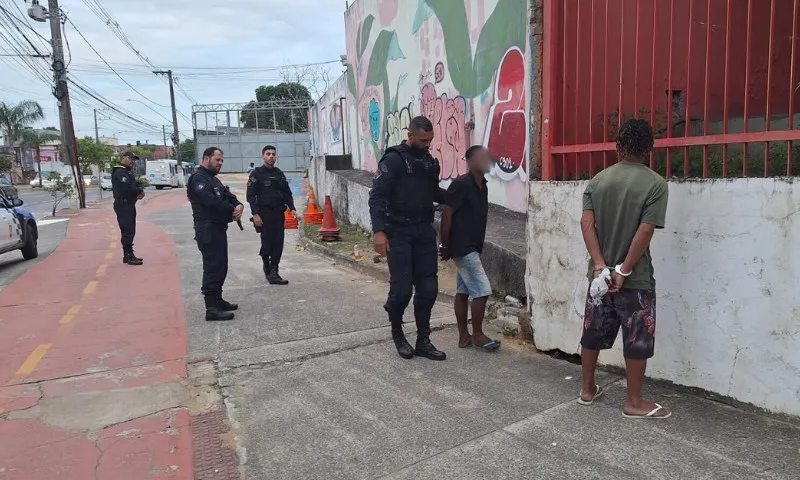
{"x":129,"y":258}
{"x":426,"y":349}
{"x":213,"y":311}
{"x":403,"y":347}
{"x":274,"y":278}
{"x":225,"y":305}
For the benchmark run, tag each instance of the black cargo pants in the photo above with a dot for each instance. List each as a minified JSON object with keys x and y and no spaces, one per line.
{"x":212,"y":241}
{"x":126,"y":218}
{"x":412,"y":260}
{"x":272,"y":237}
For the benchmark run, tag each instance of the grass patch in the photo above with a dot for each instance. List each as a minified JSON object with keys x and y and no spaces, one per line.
{"x":352,"y":235}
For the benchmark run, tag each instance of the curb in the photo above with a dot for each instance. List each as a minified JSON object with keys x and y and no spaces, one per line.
{"x":505,"y":322}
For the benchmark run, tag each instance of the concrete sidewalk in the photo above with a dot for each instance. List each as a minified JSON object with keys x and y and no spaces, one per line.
{"x":314,"y":389}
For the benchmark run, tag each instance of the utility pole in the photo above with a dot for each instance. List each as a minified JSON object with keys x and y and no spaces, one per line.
{"x":164,"y":132}
{"x":175,"y":138}
{"x":61,"y":92}
{"x":96,"y":132}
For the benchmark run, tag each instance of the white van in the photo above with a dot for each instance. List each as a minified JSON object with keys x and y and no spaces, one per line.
{"x":164,"y":173}
{"x":105,"y":181}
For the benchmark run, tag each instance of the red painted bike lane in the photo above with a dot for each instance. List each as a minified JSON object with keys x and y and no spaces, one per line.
{"x":93,"y":374}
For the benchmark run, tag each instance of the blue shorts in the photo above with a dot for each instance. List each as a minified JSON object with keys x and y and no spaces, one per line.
{"x":471,"y":279}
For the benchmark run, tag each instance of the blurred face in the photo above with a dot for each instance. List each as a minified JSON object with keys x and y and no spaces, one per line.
{"x":214,"y":162}
{"x":420,"y":139}
{"x":269,"y":157}
{"x":127,"y":161}
{"x":480,"y":161}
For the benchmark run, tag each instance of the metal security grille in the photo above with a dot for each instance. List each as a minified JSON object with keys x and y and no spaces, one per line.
{"x":716,"y":78}
{"x":241,"y":130}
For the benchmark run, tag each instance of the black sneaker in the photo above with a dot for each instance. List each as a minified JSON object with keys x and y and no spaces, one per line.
{"x":426,"y":349}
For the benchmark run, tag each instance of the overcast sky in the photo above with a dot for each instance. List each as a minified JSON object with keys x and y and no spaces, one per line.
{"x":191,"y":37}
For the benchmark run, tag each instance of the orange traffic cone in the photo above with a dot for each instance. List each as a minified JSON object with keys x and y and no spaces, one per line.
{"x":312,"y":214}
{"x":329,"y":232}
{"x":289,"y":222}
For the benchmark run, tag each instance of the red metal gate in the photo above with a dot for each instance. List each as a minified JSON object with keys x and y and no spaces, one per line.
{"x":696,"y":69}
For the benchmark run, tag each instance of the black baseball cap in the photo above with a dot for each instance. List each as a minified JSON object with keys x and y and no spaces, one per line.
{"x":130,"y":155}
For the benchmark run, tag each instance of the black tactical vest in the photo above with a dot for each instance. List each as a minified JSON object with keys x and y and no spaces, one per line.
{"x":415,"y":190}
{"x":269,"y":185}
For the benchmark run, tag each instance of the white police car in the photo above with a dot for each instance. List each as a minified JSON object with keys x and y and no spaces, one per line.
{"x":18,"y":230}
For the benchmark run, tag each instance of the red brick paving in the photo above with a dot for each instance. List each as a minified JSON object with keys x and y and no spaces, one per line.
{"x":130,"y":331}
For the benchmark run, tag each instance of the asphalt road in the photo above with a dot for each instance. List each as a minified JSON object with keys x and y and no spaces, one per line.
{"x":40,"y":202}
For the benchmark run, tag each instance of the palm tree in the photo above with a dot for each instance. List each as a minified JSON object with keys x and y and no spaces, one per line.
{"x":33,"y":139}
{"x":14,"y":118}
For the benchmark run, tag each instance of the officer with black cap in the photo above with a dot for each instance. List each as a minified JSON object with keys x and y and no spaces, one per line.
{"x":127,"y":192}
{"x":213,"y":208}
{"x":401,"y":207}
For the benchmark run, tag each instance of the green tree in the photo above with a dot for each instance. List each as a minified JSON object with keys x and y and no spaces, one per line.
{"x":93,"y":153}
{"x":6,"y":163}
{"x":187,"y":151}
{"x":31,"y":139}
{"x":14,"y":119}
{"x":60,"y":189}
{"x":143,"y":152}
{"x":286,"y":119}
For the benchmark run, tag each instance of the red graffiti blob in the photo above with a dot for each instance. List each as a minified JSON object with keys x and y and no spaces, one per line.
{"x":508,"y":125}
{"x":448,"y":116}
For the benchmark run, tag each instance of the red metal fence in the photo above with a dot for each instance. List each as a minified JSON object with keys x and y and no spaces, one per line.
{"x":696,"y":69}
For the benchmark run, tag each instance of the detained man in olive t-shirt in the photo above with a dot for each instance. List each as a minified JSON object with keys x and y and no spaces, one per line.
{"x":622,"y":207}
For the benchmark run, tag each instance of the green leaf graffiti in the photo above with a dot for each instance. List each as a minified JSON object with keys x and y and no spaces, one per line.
{"x":351,"y":80}
{"x":376,"y":71}
{"x":505,"y":28}
{"x":363,"y":35}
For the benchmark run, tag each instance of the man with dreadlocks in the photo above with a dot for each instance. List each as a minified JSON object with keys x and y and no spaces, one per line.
{"x":622,"y":207}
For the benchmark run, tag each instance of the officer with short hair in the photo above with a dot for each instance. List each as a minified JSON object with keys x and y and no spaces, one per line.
{"x":269,"y":194}
{"x":127,"y":192}
{"x":213,"y":208}
{"x":401,"y":206}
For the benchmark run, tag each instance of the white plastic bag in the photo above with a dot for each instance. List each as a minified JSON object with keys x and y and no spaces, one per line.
{"x":599,"y":286}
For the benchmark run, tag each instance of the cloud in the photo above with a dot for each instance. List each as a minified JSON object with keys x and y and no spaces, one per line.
{"x":180,"y":34}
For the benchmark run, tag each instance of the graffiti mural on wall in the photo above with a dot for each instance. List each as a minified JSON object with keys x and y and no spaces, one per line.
{"x":507,"y":131}
{"x":335,"y":121}
{"x":468,"y":58}
{"x":448,"y":116}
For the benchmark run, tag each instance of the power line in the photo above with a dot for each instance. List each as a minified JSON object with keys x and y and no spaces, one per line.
{"x":109,"y":65}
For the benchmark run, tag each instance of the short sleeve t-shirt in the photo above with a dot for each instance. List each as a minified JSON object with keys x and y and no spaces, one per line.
{"x":470,"y":201}
{"x":622,"y":197}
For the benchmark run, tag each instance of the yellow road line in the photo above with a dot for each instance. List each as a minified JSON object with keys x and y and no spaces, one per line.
{"x":108,"y":256}
{"x":101,"y":270}
{"x":112,"y":245}
{"x":90,"y":287}
{"x":70,"y":314}
{"x":30,"y":363}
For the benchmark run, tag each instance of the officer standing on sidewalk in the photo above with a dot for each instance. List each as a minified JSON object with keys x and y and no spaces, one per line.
{"x":269,"y":194}
{"x":401,"y":207}
{"x":126,"y":192}
{"x":213,"y":208}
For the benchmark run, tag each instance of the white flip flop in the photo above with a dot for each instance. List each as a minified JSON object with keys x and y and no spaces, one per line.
{"x":650,"y":415}
{"x":597,"y":393}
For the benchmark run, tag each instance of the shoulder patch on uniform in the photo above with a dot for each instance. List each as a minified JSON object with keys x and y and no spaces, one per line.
{"x":124,"y":178}
{"x":199,"y":186}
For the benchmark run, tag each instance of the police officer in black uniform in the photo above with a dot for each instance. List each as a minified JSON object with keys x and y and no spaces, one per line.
{"x":268,"y":194}
{"x":213,"y":208}
{"x":126,"y":193}
{"x":401,"y":206}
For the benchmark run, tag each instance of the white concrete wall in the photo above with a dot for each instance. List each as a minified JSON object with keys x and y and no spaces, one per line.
{"x":350,"y":199}
{"x":727,"y":270}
